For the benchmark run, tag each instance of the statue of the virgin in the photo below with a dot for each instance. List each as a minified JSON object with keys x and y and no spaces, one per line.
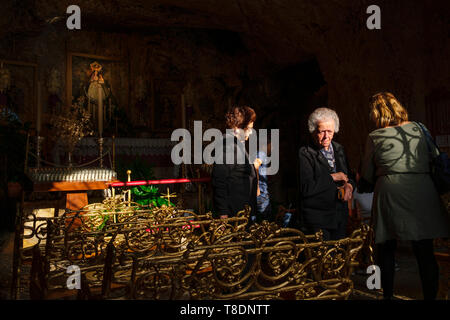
{"x":98,"y":90}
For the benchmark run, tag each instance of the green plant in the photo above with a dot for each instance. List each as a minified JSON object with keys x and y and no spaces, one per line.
{"x":149,"y":195}
{"x":105,"y":220}
{"x":140,"y":170}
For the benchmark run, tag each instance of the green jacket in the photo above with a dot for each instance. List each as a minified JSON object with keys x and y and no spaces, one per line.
{"x":406,"y":205}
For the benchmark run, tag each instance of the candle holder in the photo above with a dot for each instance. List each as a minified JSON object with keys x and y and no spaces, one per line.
{"x":38,"y":150}
{"x":100,"y":149}
{"x":69,"y":159}
{"x":114,"y":152}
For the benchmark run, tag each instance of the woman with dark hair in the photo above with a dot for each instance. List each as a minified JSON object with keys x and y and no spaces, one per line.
{"x":234,"y":181}
{"x":406,"y":204}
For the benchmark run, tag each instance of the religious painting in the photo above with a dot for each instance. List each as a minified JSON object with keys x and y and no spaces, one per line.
{"x":18,"y":91}
{"x":167,"y":109}
{"x":53,"y":104}
{"x":101,"y":85}
{"x":141,"y":101}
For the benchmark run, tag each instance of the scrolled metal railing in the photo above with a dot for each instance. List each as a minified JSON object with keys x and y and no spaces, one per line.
{"x":157,"y":253}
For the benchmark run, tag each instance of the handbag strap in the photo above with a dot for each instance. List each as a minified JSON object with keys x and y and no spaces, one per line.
{"x":428,"y":137}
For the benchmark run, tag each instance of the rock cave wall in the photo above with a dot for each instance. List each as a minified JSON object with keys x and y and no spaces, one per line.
{"x":238,"y":51}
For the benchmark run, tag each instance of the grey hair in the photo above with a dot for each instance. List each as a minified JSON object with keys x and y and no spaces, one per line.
{"x":322,"y":114}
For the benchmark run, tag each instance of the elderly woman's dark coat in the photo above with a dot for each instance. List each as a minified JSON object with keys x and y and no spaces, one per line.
{"x":320,"y":206}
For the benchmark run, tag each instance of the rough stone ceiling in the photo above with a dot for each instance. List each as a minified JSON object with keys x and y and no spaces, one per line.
{"x":286,"y":31}
{"x":282,"y":32}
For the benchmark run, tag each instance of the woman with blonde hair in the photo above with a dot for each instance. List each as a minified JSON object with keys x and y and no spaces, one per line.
{"x":406,"y":204}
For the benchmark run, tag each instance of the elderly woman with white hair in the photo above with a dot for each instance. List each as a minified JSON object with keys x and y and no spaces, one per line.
{"x":325,"y":182}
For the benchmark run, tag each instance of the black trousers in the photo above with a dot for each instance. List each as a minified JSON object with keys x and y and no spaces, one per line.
{"x":337,"y":233}
{"x":330,"y":234}
{"x":428,"y":267}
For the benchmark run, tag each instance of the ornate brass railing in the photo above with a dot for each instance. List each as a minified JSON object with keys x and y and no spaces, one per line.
{"x":124,"y":250}
{"x":261,"y":263}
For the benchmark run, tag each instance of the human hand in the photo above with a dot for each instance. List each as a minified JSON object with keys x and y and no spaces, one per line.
{"x":348,"y":191}
{"x":339,"y":176}
{"x":257,"y":163}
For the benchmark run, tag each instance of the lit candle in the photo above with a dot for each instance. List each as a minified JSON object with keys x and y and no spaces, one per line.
{"x":183,"y":112}
{"x":100,"y":111}
{"x":38,"y":109}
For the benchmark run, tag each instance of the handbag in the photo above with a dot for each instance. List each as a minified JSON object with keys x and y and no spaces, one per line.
{"x":439,"y":166}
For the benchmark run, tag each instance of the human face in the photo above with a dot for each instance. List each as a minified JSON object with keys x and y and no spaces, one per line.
{"x":243,"y":134}
{"x":324,"y":133}
{"x":248,"y":130}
